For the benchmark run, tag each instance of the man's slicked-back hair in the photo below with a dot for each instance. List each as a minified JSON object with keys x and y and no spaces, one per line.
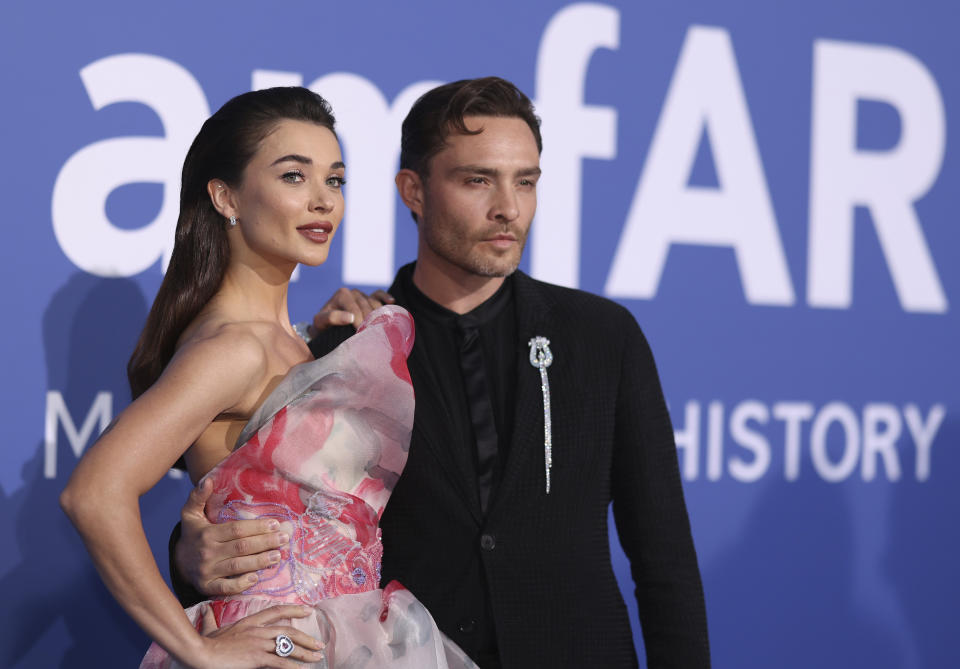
{"x":441,"y":111}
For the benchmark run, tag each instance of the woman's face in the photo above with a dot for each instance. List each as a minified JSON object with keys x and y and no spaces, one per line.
{"x":290,"y":201}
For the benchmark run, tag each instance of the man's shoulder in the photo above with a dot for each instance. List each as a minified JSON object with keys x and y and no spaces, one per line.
{"x":574,"y":303}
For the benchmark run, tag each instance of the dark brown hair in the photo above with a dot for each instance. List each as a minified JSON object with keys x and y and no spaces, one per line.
{"x":221,"y":150}
{"x":441,"y":111}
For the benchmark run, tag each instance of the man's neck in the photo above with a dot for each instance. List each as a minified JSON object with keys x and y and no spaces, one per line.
{"x":452,"y":287}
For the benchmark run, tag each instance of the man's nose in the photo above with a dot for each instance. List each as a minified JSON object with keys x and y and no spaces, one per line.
{"x":505,"y":206}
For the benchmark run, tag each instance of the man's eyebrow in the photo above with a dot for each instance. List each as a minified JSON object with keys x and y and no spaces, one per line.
{"x":476,"y":169}
{"x":492,"y":172}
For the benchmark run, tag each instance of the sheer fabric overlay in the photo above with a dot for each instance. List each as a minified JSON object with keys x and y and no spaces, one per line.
{"x":322,"y":455}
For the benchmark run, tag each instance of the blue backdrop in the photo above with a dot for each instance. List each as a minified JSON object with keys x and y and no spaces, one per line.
{"x":769,"y":187}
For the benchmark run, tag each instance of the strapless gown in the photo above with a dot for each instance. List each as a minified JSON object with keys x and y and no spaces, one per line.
{"x":322,"y":455}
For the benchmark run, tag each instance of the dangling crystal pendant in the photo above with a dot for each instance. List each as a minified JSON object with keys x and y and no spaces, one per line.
{"x":541,"y":357}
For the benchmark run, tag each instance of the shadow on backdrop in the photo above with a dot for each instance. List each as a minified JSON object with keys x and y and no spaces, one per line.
{"x":797,"y":533}
{"x":920,"y":564}
{"x":59,"y":613}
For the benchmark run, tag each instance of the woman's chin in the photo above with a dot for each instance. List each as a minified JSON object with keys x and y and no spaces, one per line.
{"x":314,"y":257}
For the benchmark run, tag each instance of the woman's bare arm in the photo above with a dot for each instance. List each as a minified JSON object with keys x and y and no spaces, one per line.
{"x":206,"y":378}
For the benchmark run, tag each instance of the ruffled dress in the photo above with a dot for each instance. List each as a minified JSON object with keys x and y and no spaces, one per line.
{"x":322,"y":455}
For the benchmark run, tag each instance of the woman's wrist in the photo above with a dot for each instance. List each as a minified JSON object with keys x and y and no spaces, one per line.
{"x":197,"y":652}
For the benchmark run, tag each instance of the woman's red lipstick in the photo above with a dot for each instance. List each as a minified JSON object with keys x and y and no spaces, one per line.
{"x":317,"y":231}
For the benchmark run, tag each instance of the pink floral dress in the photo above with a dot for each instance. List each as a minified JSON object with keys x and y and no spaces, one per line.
{"x":322,"y":455}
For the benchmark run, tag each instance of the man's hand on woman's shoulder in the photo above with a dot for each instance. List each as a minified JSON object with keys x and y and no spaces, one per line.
{"x":348,"y":307}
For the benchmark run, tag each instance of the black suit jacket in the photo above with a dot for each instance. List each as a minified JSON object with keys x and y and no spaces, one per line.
{"x":537,"y":568}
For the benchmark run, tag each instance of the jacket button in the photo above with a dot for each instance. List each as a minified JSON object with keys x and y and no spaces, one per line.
{"x":488,"y":542}
{"x":467,"y":626}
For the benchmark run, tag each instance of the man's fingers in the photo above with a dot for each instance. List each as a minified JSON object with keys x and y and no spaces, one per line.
{"x":343,"y":300}
{"x":349,"y":306}
{"x":382,"y":296}
{"x":196,"y":501}
{"x":265,"y":530}
{"x":327,"y":319}
{"x":355,"y":302}
{"x":222,"y":587}
{"x":365,"y":302}
{"x":244,"y":564}
{"x":239,"y":557}
{"x":223,"y":559}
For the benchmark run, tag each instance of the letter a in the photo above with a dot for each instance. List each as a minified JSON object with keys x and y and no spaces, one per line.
{"x":706,"y":92}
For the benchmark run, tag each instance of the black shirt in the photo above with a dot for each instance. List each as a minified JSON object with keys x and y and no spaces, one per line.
{"x":437,"y":332}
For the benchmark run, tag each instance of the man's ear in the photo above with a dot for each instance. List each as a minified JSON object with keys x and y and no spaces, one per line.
{"x":222,"y":197}
{"x":410,"y":187}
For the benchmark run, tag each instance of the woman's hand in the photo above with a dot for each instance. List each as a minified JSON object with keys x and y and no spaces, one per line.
{"x":251,"y":643}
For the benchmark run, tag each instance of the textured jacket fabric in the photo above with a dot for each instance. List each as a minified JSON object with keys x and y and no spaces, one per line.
{"x":537,"y":567}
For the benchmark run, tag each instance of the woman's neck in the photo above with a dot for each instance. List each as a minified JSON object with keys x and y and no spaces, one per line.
{"x":249,"y":293}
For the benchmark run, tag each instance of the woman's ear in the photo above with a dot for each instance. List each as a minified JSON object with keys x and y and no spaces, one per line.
{"x":222,"y":197}
{"x":410,"y":187}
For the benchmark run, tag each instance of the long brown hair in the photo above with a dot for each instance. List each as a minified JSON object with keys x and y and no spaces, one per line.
{"x":221,"y":150}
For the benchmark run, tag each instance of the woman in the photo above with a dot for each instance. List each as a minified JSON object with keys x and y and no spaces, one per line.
{"x":219,"y":367}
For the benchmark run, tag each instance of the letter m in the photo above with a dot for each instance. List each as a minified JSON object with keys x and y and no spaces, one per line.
{"x":100,"y":412}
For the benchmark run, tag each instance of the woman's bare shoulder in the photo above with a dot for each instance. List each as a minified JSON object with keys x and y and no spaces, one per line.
{"x":229,"y":356}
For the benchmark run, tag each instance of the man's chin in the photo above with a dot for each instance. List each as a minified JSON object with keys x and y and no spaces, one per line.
{"x":494,"y":265}
{"x":493,"y":270}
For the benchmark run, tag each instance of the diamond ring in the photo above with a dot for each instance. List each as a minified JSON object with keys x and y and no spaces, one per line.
{"x":284,"y":645}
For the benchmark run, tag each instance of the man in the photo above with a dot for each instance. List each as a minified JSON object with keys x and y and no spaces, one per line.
{"x":536,"y":406}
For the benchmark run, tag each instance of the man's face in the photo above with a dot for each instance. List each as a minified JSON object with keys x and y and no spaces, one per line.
{"x":480,"y":197}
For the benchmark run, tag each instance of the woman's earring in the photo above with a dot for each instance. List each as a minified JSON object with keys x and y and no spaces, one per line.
{"x":233,"y":221}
